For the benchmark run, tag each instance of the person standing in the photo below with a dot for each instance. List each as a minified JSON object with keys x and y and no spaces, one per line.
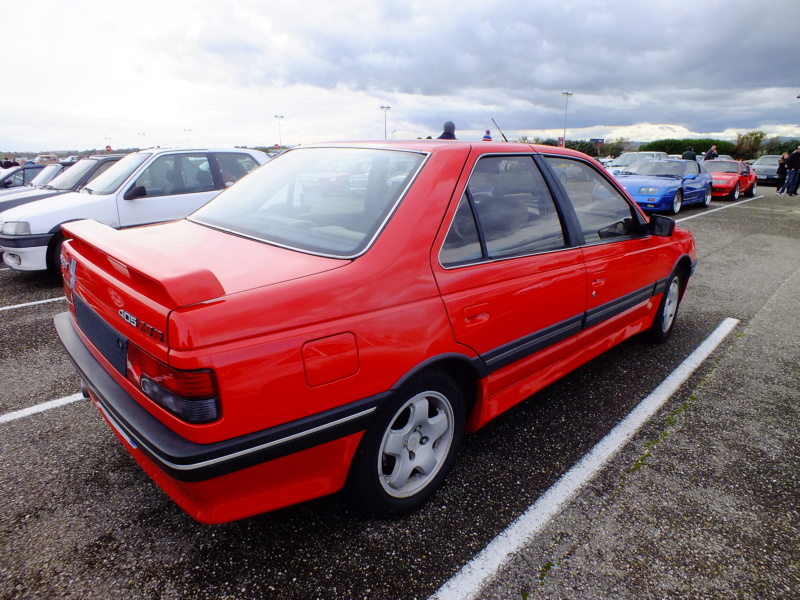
{"x":711,"y":154}
{"x":690,"y":154}
{"x":487,"y":137}
{"x":793,"y":172}
{"x":782,"y":174}
{"x":449,"y":132}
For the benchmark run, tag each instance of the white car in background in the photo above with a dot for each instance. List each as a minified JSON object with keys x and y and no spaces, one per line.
{"x":145,"y":187}
{"x":628,"y":158}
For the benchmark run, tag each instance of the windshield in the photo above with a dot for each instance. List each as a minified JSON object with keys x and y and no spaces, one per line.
{"x":767,"y":160}
{"x":70,"y":177}
{"x":45,"y":175}
{"x":109,"y":182}
{"x":625,"y":159}
{"x":327,"y":201}
{"x":656,"y":168}
{"x":721,"y":166}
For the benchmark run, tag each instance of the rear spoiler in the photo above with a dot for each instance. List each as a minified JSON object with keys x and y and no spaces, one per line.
{"x":168,"y":279}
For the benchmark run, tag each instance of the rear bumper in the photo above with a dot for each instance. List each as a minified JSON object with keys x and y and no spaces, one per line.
{"x":256,"y":472}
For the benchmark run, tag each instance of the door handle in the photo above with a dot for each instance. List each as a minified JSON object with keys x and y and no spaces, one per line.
{"x":478,"y":313}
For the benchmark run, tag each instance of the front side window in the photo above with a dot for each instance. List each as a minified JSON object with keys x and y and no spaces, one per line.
{"x":603,"y":213}
{"x":326,"y":201}
{"x":173,"y":174}
{"x":506,"y":211}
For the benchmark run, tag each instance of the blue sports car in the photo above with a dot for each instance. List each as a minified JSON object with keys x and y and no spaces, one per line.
{"x":666,"y":185}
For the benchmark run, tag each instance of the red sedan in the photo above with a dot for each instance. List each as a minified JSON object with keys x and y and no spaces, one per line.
{"x":289,"y":340}
{"x":731,"y":178}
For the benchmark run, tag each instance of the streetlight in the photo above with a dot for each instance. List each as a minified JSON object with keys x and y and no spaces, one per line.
{"x":143,"y":143}
{"x":384,"y":109}
{"x":187,"y":131}
{"x":280,"y":143}
{"x":566,"y":95}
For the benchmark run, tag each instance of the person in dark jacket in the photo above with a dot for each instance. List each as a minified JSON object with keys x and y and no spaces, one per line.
{"x":449,"y":132}
{"x":711,"y":154}
{"x":690,"y":154}
{"x":793,"y":172}
{"x":782,"y":173}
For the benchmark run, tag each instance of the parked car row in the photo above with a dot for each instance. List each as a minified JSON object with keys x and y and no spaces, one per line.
{"x":145,"y":187}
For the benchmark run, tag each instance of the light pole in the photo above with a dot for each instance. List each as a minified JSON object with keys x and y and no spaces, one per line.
{"x":566,"y":95}
{"x":384,"y":109}
{"x":187,"y":131}
{"x":280,"y":143}
{"x":143,"y":143}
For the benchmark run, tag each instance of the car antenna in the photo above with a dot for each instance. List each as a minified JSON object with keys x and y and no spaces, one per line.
{"x":500,"y":130}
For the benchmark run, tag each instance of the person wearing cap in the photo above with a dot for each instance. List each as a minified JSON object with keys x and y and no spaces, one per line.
{"x":487,"y":137}
{"x":449,"y":132}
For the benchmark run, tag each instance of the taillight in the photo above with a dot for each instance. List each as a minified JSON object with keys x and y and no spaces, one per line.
{"x":190,"y":395}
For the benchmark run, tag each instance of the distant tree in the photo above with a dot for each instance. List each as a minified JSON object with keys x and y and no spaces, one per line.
{"x":615,"y":147}
{"x":748,"y":144}
{"x":584,"y":146}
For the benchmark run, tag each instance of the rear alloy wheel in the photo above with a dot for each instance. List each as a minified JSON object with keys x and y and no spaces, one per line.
{"x":753,"y":189}
{"x":677,"y":202}
{"x":735,"y":192}
{"x":707,"y":199}
{"x":410,"y":447}
{"x":664,"y":320}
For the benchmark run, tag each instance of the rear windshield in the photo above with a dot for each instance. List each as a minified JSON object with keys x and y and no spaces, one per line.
{"x":326,"y":201}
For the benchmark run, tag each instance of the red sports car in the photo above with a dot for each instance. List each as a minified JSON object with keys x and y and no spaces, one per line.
{"x":731,"y":178}
{"x":291,"y":339}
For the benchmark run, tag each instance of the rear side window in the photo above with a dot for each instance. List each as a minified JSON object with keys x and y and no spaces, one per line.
{"x":603,"y":213}
{"x":506,"y":211}
{"x":234,"y":165}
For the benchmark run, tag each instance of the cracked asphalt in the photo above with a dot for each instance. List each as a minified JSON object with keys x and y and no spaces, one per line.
{"x":702,"y":503}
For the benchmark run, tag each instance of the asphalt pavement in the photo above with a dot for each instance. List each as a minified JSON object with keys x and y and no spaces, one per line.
{"x":701,"y":503}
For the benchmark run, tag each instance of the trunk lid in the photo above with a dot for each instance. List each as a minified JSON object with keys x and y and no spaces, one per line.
{"x":130,"y":280}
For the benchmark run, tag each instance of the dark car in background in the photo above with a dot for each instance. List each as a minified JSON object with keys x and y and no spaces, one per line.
{"x":766,"y":168}
{"x":71,"y":180}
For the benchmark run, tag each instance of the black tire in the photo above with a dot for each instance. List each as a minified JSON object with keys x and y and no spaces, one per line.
{"x":664,"y":321}
{"x":410,"y":446}
{"x":54,"y":256}
{"x":707,"y":198}
{"x":735,"y":192}
{"x":753,"y":189}
{"x":677,"y":202}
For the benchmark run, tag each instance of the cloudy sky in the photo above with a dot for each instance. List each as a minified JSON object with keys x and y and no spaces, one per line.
{"x":82,"y":74}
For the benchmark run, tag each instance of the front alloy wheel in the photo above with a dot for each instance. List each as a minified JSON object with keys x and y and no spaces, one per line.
{"x":407,"y":452}
{"x":735,"y":192}
{"x":677,"y":202}
{"x":707,"y":199}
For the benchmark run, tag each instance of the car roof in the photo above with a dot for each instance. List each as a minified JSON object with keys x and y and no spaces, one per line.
{"x":434,"y":146}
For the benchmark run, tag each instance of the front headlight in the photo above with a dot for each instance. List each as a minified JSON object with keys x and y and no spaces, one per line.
{"x":720,"y":182}
{"x":15,"y":228}
{"x":647,"y":191}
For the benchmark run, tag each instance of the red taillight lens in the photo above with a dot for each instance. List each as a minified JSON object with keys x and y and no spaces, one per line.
{"x":190,"y":395}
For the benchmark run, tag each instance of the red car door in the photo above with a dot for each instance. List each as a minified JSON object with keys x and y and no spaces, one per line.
{"x":514,"y":291}
{"x":623,"y":264}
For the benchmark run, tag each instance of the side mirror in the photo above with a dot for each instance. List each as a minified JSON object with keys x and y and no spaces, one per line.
{"x":138,"y":191}
{"x":691,"y":176}
{"x":615,"y":172}
{"x":7,"y":183}
{"x":661,"y":226}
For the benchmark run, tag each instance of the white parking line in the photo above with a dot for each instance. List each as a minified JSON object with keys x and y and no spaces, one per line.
{"x":469,"y":581}
{"x":2,"y":308}
{"x":708,"y":212}
{"x":26,"y":412}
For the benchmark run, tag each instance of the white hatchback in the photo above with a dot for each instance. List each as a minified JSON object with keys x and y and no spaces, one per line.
{"x":145,"y":187}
